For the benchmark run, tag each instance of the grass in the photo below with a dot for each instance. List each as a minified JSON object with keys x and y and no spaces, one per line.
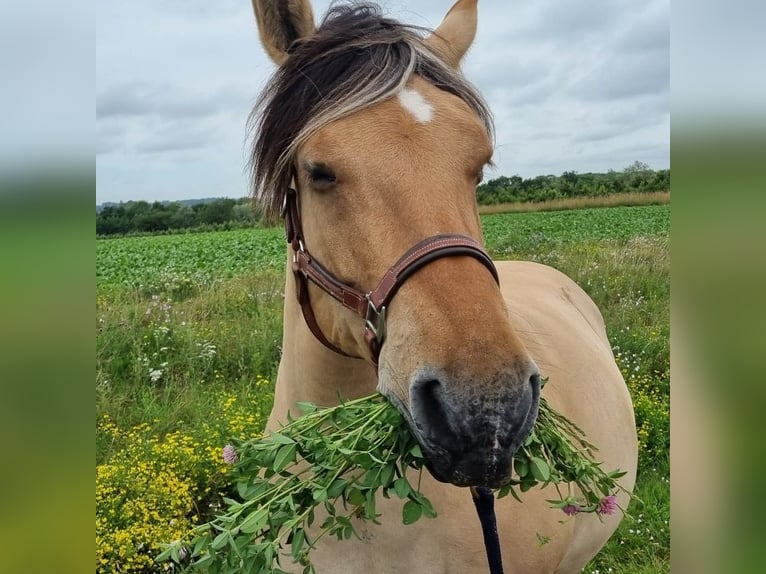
{"x":188,"y":341}
{"x":642,"y":542}
{"x":630,"y":199}
{"x":219,"y":339}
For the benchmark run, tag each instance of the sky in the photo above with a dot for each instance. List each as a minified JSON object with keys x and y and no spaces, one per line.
{"x":581,"y":86}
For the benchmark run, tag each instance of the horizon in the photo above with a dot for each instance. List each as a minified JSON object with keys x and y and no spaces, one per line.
{"x":485,"y":181}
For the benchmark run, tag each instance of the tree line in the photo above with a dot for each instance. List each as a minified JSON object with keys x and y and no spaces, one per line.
{"x":144,"y":217}
{"x":139,"y":217}
{"x":637,"y":177}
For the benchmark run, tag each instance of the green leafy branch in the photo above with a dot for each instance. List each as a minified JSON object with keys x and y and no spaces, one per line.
{"x":557,"y":452}
{"x":337,"y":460}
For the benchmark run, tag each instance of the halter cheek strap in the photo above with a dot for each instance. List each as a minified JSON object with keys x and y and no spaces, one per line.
{"x":371,"y":306}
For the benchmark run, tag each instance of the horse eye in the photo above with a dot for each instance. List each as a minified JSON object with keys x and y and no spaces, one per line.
{"x":321,"y":175}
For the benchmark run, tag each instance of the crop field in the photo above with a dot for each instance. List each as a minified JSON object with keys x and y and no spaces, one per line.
{"x":152,"y":263}
{"x":188,"y":334}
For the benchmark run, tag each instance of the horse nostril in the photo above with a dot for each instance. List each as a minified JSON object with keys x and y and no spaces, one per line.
{"x":431,"y":410}
{"x":534,"y":381}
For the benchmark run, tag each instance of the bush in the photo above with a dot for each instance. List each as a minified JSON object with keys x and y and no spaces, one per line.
{"x":154,"y":488}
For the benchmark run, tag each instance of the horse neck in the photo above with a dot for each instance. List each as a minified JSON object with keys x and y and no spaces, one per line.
{"x":309,"y":371}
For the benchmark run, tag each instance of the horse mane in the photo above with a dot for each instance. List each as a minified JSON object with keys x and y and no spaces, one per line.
{"x":356,"y":58}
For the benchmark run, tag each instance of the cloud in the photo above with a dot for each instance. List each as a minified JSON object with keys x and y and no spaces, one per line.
{"x":573,"y":86}
{"x":648,"y":33}
{"x":199,"y":8}
{"x":110,"y":137}
{"x":127,"y":136}
{"x":563,"y":22}
{"x":165,"y":100}
{"x":151,"y":118}
{"x":619,"y":126}
{"x":634,"y":62}
{"x":176,"y":137}
{"x":625,"y":76}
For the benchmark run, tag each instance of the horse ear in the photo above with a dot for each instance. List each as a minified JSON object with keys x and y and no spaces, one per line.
{"x":282,"y":22}
{"x":455,"y":34}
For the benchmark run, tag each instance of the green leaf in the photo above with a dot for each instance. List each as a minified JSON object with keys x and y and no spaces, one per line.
{"x":306,"y":408}
{"x":336,"y":488}
{"x":356,"y":497}
{"x":268,"y":554}
{"x":386,"y":475}
{"x":252,"y":492}
{"x":402,"y":487}
{"x":254,"y":521}
{"x":165,"y":554}
{"x":411,"y":512}
{"x":428,"y":509}
{"x":364,"y":460}
{"x":220,"y":540}
{"x":521,"y":467}
{"x":299,"y":537}
{"x":369,"y":510}
{"x":540,"y":469}
{"x":416,"y":451}
{"x":524,"y":486}
{"x":204,"y":561}
{"x":371,"y":478}
{"x":279,"y":438}
{"x":319,"y":495}
{"x":327,"y":523}
{"x":199,"y":543}
{"x":285,"y":455}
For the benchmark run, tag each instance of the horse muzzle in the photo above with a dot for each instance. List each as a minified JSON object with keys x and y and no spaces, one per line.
{"x":469,"y":437}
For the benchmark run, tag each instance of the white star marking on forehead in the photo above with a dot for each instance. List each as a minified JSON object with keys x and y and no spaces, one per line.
{"x":415,"y":103}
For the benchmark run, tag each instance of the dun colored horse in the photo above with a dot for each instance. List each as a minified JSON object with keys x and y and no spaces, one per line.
{"x":372,"y":141}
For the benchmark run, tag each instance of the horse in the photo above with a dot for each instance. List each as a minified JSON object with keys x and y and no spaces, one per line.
{"x":370,"y":142}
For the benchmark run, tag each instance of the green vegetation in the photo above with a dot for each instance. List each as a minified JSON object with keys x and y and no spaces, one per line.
{"x":188,"y":333}
{"x":629,"y":199}
{"x":343,"y":458}
{"x":637,"y":177}
{"x":142,"y":217}
{"x":179,"y":265}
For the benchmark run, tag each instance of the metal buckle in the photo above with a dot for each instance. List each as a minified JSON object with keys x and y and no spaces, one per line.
{"x":301,"y":249}
{"x":375,"y":320}
{"x":283,"y":210}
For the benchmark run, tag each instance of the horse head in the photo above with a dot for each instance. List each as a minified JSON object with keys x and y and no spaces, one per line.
{"x":382,"y":141}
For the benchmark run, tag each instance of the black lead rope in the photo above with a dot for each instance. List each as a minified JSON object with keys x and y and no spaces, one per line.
{"x":484,"y":501}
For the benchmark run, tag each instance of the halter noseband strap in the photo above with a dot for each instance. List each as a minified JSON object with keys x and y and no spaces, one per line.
{"x":371,"y":306}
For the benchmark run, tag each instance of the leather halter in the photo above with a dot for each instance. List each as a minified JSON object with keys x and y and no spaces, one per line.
{"x":371,"y":306}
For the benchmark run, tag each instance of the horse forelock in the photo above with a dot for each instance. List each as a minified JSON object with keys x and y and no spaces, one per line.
{"x":356,"y":58}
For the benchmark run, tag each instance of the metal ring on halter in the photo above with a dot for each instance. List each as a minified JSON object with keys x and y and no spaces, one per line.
{"x":375,"y":321}
{"x":283,"y":209}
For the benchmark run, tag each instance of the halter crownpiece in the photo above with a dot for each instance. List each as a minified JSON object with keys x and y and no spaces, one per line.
{"x":371,"y":306}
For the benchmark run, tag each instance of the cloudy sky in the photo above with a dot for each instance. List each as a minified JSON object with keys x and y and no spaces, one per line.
{"x":581,"y":86}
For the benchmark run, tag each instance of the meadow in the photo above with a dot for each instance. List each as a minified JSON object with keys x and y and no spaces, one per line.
{"x":188,"y":334}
